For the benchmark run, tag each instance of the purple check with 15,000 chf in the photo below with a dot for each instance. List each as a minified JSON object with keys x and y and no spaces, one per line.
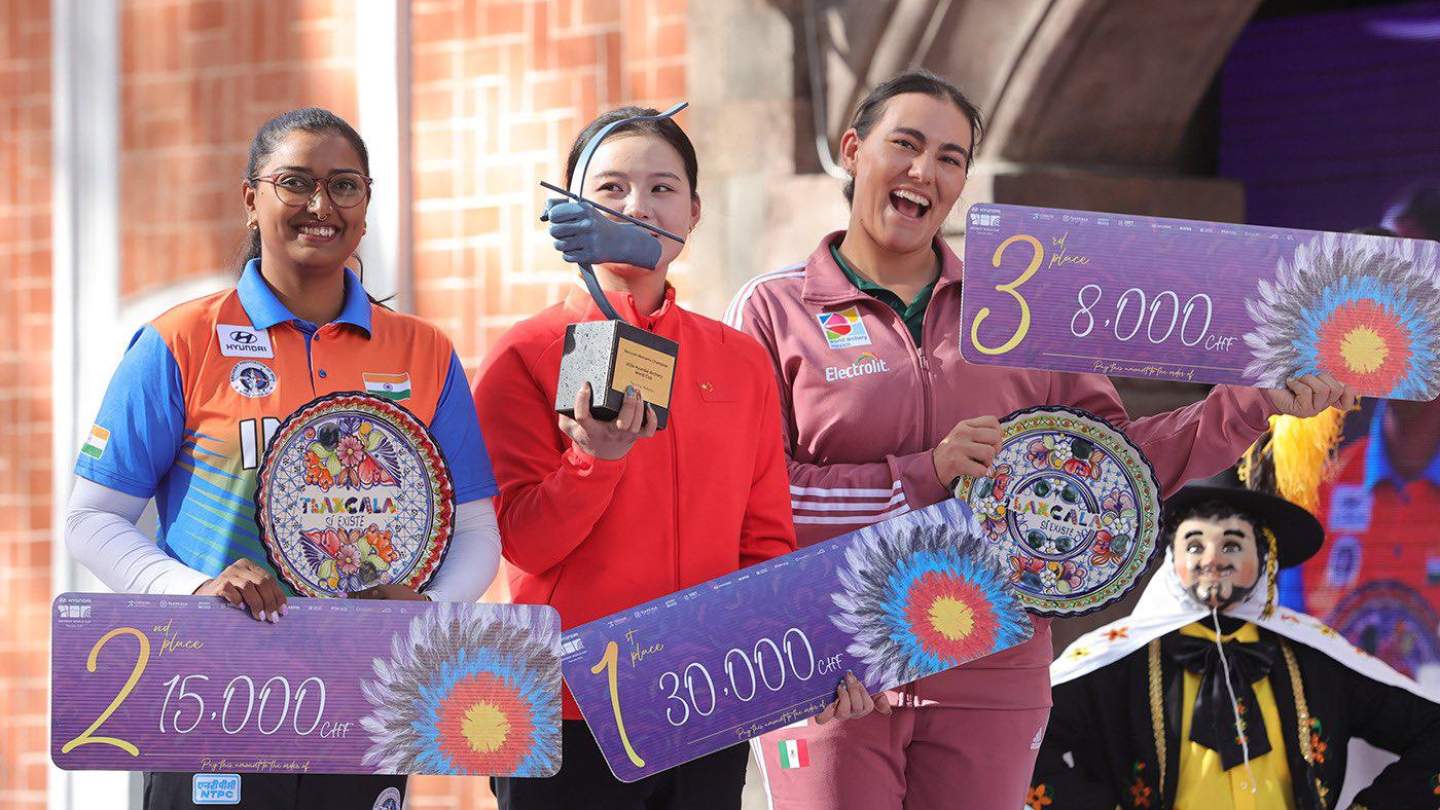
{"x":187,"y":683}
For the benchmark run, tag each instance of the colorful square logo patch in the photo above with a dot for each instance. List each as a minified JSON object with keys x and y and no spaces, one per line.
{"x":844,"y":328}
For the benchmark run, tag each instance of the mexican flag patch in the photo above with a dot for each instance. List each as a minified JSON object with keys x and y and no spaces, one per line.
{"x":794,"y":754}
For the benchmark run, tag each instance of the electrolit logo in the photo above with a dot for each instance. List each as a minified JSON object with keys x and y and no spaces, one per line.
{"x":215,"y":788}
{"x":866,"y":363}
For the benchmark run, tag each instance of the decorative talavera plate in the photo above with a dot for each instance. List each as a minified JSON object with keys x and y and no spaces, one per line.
{"x":353,"y":492}
{"x":1074,"y":507}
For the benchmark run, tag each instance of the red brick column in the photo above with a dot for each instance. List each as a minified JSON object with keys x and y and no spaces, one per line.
{"x":197,"y":79}
{"x":25,"y":430}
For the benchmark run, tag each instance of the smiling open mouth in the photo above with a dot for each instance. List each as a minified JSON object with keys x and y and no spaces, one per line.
{"x":909,"y":203}
{"x":319,"y":231}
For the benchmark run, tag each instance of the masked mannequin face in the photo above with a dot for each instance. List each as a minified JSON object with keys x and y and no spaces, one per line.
{"x":1217,"y":560}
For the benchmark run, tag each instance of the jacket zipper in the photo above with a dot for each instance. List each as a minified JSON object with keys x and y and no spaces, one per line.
{"x":675,"y":496}
{"x":918,"y":360}
{"x":929,"y":404}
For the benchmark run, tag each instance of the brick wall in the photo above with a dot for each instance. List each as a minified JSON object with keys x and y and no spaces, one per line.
{"x":198,"y":77}
{"x":499,"y":90}
{"x":25,"y":467}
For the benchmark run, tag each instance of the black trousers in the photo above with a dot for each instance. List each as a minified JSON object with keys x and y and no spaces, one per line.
{"x":283,"y":791}
{"x":714,"y":782}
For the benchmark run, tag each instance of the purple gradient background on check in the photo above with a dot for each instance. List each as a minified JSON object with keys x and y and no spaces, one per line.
{"x":1152,"y":254}
{"x":335,"y":640}
{"x":702,"y":624}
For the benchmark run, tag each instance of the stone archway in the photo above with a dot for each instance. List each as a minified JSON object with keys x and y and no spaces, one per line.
{"x":1089,"y":105}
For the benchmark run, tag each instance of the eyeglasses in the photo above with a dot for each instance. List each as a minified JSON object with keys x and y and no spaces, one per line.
{"x":345,"y":189}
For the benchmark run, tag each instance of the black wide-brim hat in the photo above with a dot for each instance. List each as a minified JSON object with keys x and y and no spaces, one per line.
{"x":1298,"y":535}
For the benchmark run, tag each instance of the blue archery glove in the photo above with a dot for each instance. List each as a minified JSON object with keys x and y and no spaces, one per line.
{"x":584,"y":235}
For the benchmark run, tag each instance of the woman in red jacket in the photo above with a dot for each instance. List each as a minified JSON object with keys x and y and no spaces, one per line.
{"x":882,"y":414}
{"x":598,"y":516}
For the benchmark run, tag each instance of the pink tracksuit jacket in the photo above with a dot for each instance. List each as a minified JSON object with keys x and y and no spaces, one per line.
{"x":863,"y":407}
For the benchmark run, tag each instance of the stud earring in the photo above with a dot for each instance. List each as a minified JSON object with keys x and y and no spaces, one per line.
{"x":253,"y":225}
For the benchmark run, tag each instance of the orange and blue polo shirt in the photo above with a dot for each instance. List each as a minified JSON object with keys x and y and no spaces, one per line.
{"x":203,"y":388}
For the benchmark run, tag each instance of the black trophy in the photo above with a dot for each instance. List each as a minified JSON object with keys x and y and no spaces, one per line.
{"x":613,"y":354}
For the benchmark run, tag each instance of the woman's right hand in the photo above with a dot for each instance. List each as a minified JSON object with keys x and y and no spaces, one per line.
{"x":609,"y":440}
{"x":969,"y":449}
{"x":246,"y":585}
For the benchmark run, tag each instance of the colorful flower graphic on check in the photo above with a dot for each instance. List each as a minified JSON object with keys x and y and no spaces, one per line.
{"x":1360,"y":307}
{"x":468,"y":692}
{"x":922,"y":600}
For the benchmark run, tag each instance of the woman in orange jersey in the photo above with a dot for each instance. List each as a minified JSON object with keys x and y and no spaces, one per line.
{"x":178,"y":422}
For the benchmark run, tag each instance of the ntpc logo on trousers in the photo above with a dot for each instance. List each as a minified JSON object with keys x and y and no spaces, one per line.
{"x":215,"y":788}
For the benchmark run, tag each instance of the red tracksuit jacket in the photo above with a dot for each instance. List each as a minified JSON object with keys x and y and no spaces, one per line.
{"x":702,"y":498}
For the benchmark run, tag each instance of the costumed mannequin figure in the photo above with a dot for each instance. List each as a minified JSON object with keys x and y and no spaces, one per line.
{"x":1144,"y":716}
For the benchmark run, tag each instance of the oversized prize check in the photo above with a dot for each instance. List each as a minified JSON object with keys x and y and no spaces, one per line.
{"x":711,"y":666}
{"x":1179,"y":299}
{"x":188,"y":683}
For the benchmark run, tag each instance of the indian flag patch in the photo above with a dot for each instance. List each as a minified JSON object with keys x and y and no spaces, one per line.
{"x":393,"y":387}
{"x":794,"y":754}
{"x":94,"y":446}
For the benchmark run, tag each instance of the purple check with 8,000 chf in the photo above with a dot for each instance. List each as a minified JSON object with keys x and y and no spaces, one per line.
{"x":707,"y":667}
{"x":1178,"y":299}
{"x":187,"y":683}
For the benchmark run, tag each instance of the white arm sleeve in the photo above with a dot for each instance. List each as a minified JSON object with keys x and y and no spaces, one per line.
{"x":473,"y":557}
{"x":100,"y":532}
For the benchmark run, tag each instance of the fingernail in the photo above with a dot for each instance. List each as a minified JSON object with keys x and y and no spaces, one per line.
{"x":630,"y":392}
{"x":274,"y":616}
{"x":285,"y":610}
{"x":261,"y":617}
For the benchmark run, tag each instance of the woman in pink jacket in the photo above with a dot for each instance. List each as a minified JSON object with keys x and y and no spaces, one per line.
{"x":882,"y":413}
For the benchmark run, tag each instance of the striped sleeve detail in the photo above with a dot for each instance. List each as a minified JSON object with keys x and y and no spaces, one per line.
{"x":735,"y":313}
{"x":839,"y":505}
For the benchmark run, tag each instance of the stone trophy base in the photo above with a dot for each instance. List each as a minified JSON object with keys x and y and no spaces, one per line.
{"x":611,"y":355}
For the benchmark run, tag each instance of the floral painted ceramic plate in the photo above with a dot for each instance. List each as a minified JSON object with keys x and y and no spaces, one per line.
{"x":353,"y":492}
{"x":1074,"y":506}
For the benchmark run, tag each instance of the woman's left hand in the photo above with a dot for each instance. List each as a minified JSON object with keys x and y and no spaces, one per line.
{"x":1309,"y":395}
{"x":395,"y":592}
{"x":853,"y":702}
